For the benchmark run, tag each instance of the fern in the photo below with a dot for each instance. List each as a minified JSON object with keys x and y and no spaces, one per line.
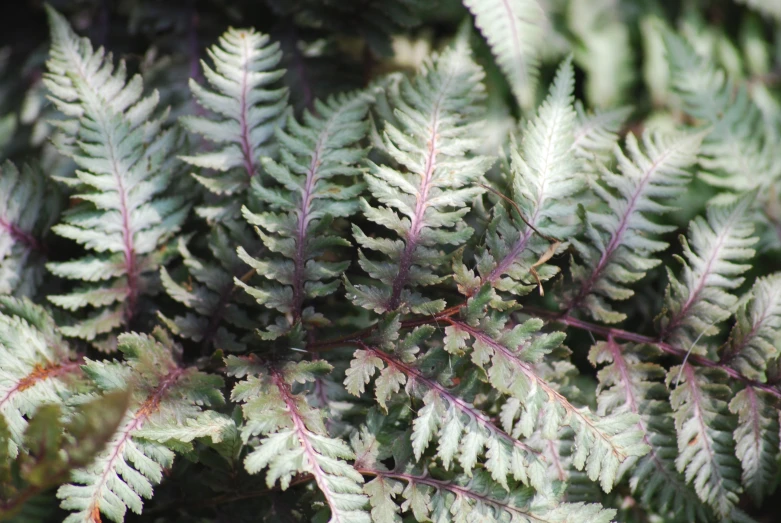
{"x":38,"y":366}
{"x":125,"y":157}
{"x":462,"y":430}
{"x":166,"y":409}
{"x":701,"y":299}
{"x":751,"y":345}
{"x":705,"y":445}
{"x":295,"y":439}
{"x":312,"y":156}
{"x":28,"y":207}
{"x":425,"y":201}
{"x":735,"y":153}
{"x":508,"y":356}
{"x":513,"y":30}
{"x":618,"y":254}
{"x":630,"y":382}
{"x":543,"y":174}
{"x":247,"y":112}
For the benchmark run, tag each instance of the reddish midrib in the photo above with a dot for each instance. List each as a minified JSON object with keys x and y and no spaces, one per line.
{"x":39,"y":373}
{"x":146,"y":409}
{"x":246,"y":149}
{"x":615,"y":241}
{"x":416,"y":223}
{"x":19,"y":235}
{"x":462,"y":405}
{"x":302,"y":431}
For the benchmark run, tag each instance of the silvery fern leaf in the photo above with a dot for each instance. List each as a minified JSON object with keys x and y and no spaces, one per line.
{"x":28,"y":207}
{"x":509,"y":358}
{"x":513,"y":29}
{"x":246,"y":105}
{"x":167,"y":409}
{"x":462,"y":431}
{"x":36,"y":366}
{"x":294,"y":437}
{"x":620,"y":244}
{"x":735,"y":153}
{"x":758,"y":325}
{"x":426,"y":191}
{"x":125,"y":172}
{"x":631,"y":382}
{"x":218,"y":314}
{"x":596,"y":134}
{"x":544,"y":174}
{"x":706,"y":452}
{"x":314,"y":154}
{"x":713,"y":260}
{"x":411,"y":490}
{"x":757,"y":439}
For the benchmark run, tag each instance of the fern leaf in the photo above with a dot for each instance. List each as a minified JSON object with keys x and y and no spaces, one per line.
{"x":36,"y":366}
{"x":217,"y":314}
{"x":462,"y":430}
{"x":313,"y":154}
{"x":756,"y":438}
{"x":294,"y":436}
{"x":126,"y":169}
{"x":734,"y":153}
{"x":621,"y":251}
{"x":27,"y":210}
{"x":247,"y":108}
{"x":631,"y":383}
{"x":544,"y":177}
{"x":513,"y":29}
{"x":427,"y":198}
{"x":596,"y":134}
{"x":758,"y":326}
{"x":705,"y":446}
{"x":700,"y":300}
{"x":603,"y":443}
{"x":166,"y":397}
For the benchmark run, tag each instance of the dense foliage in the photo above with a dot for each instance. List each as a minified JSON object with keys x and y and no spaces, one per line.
{"x":390,"y":260}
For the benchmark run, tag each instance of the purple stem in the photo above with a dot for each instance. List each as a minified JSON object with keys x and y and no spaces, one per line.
{"x":29,"y":241}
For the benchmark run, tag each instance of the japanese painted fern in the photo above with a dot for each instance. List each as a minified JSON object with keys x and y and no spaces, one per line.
{"x":456,"y":292}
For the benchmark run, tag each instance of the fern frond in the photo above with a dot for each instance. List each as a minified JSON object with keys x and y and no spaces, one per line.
{"x":513,"y":29}
{"x":468,"y":499}
{"x":631,"y":383}
{"x":218,"y":314}
{"x":757,"y":440}
{"x":734,"y":153}
{"x":544,"y":178}
{"x":167,"y":408}
{"x":427,"y":196}
{"x":294,"y":436}
{"x":620,"y":249}
{"x":463,"y":432}
{"x":758,"y":325}
{"x":36,"y":365}
{"x":126,"y":169}
{"x":313,"y":154}
{"x":706,"y":451}
{"x":508,"y":357}
{"x":700,"y":300}
{"x":596,"y":134}
{"x":28,"y":207}
{"x":247,"y":108}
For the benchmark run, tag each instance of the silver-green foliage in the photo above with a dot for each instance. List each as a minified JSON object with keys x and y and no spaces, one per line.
{"x":125,"y":170}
